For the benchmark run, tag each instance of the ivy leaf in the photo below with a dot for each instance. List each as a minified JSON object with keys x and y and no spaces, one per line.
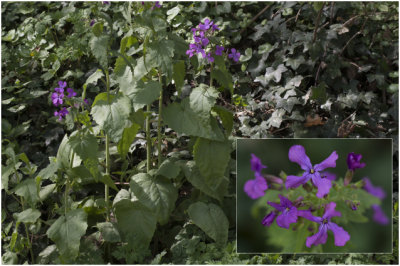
{"x":85,"y":145}
{"x":193,"y":175}
{"x":112,"y":116}
{"x":247,"y":55}
{"x":271,"y":74}
{"x":155,"y":192}
{"x":276,"y":119}
{"x":211,"y":219}
{"x":202,"y":99}
{"x":134,"y":218}
{"x":67,"y":231}
{"x":99,"y":47}
{"x":190,"y":122}
{"x":27,"y":216}
{"x":128,"y":136}
{"x":161,"y":54}
{"x":109,"y":232}
{"x":212,"y":158}
{"x":28,"y":190}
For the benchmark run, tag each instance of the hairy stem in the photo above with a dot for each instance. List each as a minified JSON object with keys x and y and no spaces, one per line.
{"x":106,"y":188}
{"x":148,"y":139}
{"x":159,"y":124}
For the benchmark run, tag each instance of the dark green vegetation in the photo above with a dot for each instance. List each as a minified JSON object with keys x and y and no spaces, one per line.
{"x":113,"y":182}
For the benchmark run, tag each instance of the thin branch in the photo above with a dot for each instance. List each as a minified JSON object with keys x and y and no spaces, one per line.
{"x":355,"y":35}
{"x":253,"y":19}
{"x":331,"y":14}
{"x":317,"y":22}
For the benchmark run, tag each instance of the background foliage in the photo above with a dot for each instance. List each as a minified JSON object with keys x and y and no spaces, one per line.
{"x":309,"y":69}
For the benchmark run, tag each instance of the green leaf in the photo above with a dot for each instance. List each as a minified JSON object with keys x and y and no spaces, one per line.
{"x":97,"y":29}
{"x":142,"y":93}
{"x":134,"y":218}
{"x":173,"y":12}
{"x":178,"y":75}
{"x":211,"y":219}
{"x":109,"y":232}
{"x":161,"y":54}
{"x":9,"y":258}
{"x":27,"y":216}
{"x":226,"y":117}
{"x":276,"y":119}
{"x":202,"y":99}
{"x":85,"y":145}
{"x":212,"y":158}
{"x":46,"y":191}
{"x":190,"y":122}
{"x":169,"y":169}
{"x":93,"y":79}
{"x":247,"y":55}
{"x":112,"y":117}
{"x":106,"y":179}
{"x":50,"y":169}
{"x":193,"y":175}
{"x":128,"y":136}
{"x":67,"y":231}
{"x":155,"y":192}
{"x":127,"y":42}
{"x":28,"y":190}
{"x":99,"y":47}
{"x":224,"y":78}
{"x":64,"y":154}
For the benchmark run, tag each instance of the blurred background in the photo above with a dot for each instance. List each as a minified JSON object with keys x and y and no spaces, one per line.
{"x":368,"y":237}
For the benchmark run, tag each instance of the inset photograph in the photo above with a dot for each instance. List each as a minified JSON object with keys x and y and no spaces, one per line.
{"x":314,"y":195}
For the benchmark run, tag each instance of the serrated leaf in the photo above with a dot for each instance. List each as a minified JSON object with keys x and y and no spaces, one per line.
{"x":128,"y":136}
{"x":142,"y":93}
{"x":93,"y":79}
{"x":46,"y":191}
{"x":161,"y":54}
{"x":212,"y":158}
{"x":85,"y":145}
{"x":226,"y":117}
{"x":112,"y":116}
{"x":67,"y":231}
{"x":202,"y":99}
{"x":155,"y":192}
{"x":190,"y":122}
{"x":97,"y":29}
{"x":127,"y":42}
{"x":169,"y":169}
{"x":211,"y":219}
{"x":99,"y":47}
{"x":224,"y":78}
{"x":50,"y":169}
{"x":27,"y":216}
{"x":109,"y":232}
{"x":178,"y":75}
{"x":28,"y":190}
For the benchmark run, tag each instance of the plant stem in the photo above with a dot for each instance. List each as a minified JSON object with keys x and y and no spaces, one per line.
{"x":148,"y":139}
{"x":160,"y":100}
{"x":106,"y":188}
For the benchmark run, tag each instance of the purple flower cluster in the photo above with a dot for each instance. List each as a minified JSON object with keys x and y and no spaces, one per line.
{"x":156,"y":5}
{"x":58,"y":96}
{"x":379,"y":216}
{"x":256,"y":187}
{"x":353,"y":161}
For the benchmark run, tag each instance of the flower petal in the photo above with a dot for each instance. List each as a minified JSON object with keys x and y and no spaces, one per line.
{"x":285,"y":202}
{"x":255,"y":188}
{"x":287,"y":217}
{"x":293,"y":181}
{"x":379,"y":216}
{"x":308,"y":215}
{"x":277,"y":206}
{"x":323,"y":185}
{"x":374,"y":191}
{"x":328,"y":176}
{"x":297,"y":154}
{"x":256,"y":165}
{"x":328,"y":162}
{"x":269,"y":218}
{"x":341,"y":236}
{"x":319,"y":238}
{"x":330,"y":211}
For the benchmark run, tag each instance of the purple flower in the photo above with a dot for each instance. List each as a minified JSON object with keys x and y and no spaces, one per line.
{"x":85,"y":101}
{"x":92,"y":22}
{"x":219,"y":50}
{"x":269,"y":218}
{"x":57,"y":98}
{"x":256,"y":165}
{"x":63,"y":112}
{"x":325,"y":224}
{"x":353,"y":161}
{"x":255,"y":188}
{"x":106,"y":2}
{"x":234,"y":55}
{"x":375,"y":191}
{"x":328,"y":175}
{"x":156,"y":4}
{"x":288,"y":212}
{"x":210,"y":58}
{"x":215,"y":27}
{"x":298,"y":155}
{"x":71,"y":93}
{"x":207,"y":24}
{"x":379,"y":216}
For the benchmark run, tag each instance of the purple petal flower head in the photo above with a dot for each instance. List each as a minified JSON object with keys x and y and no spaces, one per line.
{"x":288,"y":212}
{"x":379,"y":216}
{"x":256,"y":165}
{"x":234,"y":55}
{"x":92,"y":22}
{"x":255,"y":188}
{"x":325,"y":224}
{"x":269,"y":218}
{"x":207,"y":24}
{"x":57,"y":98}
{"x":156,"y":4}
{"x":63,"y":112}
{"x":328,"y":175}
{"x":219,"y":50}
{"x":142,"y":3}
{"x":374,"y":191}
{"x":205,"y":41}
{"x":297,"y":154}
{"x":353,"y":161}
{"x":85,"y":101}
{"x":106,"y":2}
{"x":210,"y":58}
{"x":215,"y":27}
{"x":71,"y":93}
{"x":62,"y":84}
